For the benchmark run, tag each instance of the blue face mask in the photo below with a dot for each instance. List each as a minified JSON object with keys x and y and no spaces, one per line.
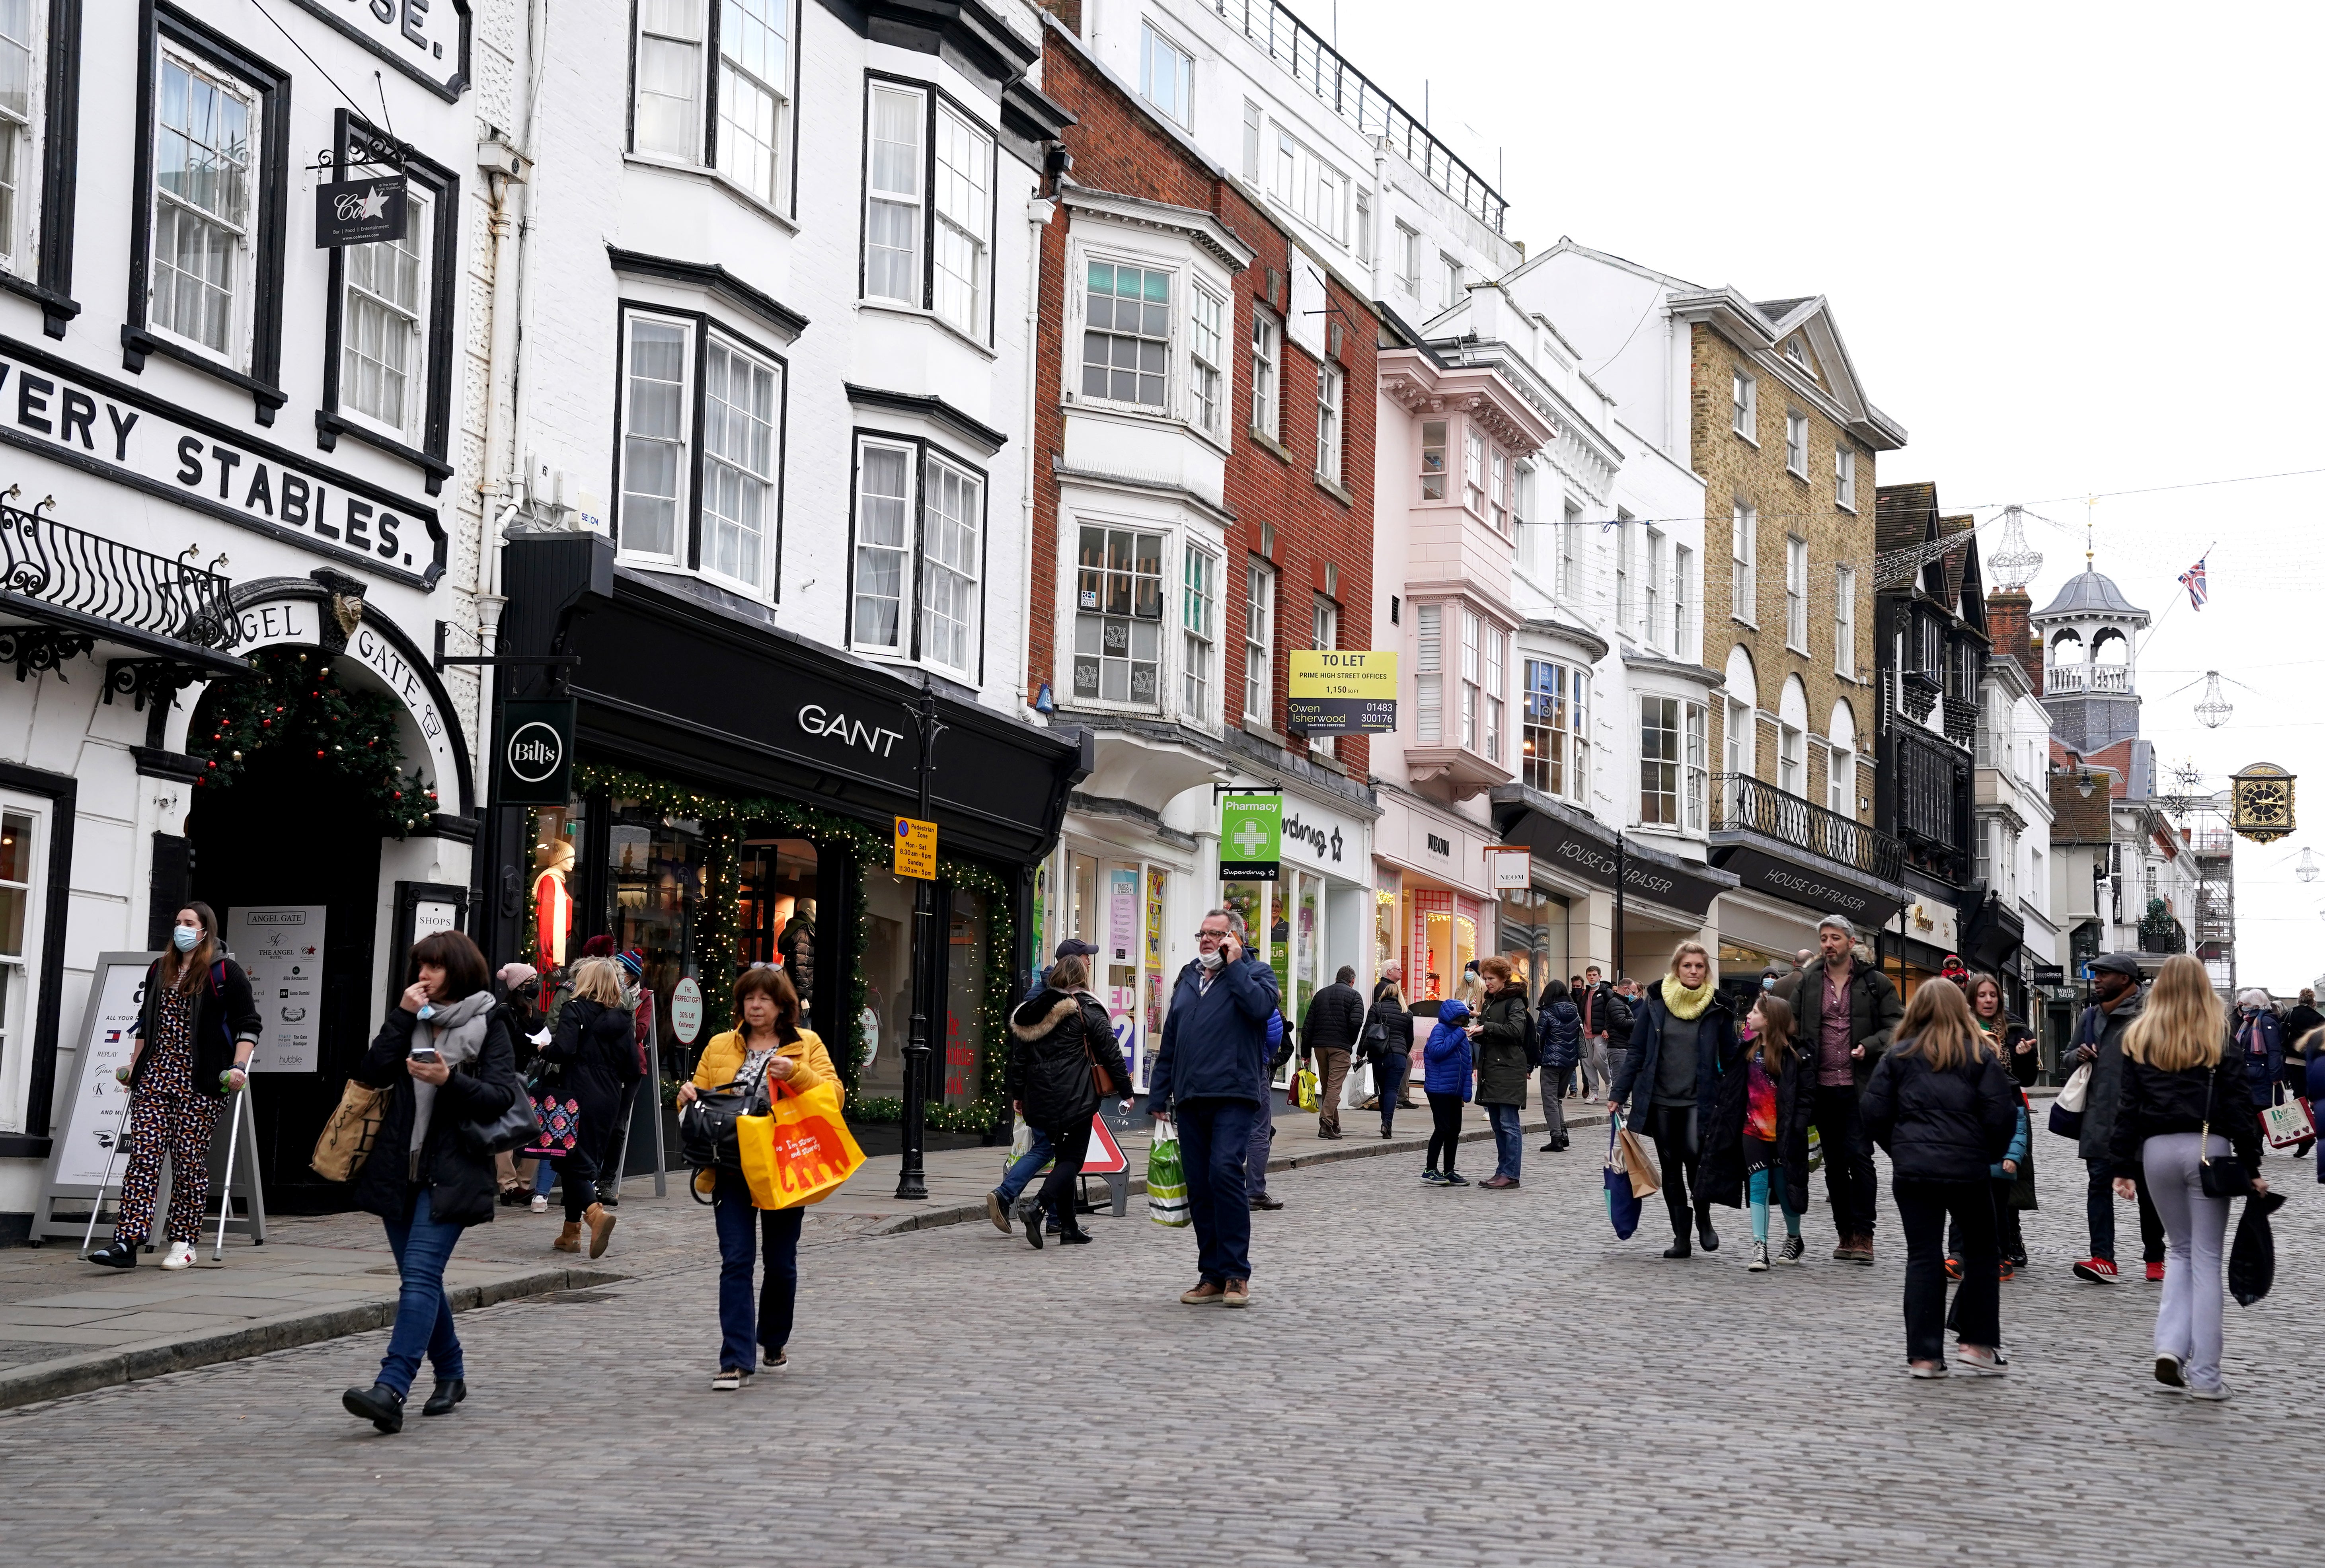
{"x":427,"y":1009}
{"x":186,"y":938}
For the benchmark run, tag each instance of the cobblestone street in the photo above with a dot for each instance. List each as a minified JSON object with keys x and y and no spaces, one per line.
{"x":1426,"y":1376}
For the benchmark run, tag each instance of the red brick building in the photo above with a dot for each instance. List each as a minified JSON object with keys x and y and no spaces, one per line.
{"x":1202,"y":500}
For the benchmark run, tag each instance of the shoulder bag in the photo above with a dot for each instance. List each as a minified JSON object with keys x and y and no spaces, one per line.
{"x":706,"y":1130}
{"x":515,"y":1128}
{"x":1098,"y":1075}
{"x":2287,"y":1120}
{"x":2067,"y":1110}
{"x":346,"y":1138}
{"x":2223,"y":1178}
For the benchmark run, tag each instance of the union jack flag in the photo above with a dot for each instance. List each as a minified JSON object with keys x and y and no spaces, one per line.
{"x":2192,"y":580}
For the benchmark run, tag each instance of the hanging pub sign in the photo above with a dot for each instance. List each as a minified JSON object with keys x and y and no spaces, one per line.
{"x":1343,"y":693}
{"x":358,"y":211}
{"x":1251,"y":837}
{"x":535,"y":767}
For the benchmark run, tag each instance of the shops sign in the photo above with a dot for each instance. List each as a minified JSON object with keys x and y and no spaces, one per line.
{"x":1509,"y":867}
{"x":536,"y":760}
{"x":1251,"y":837}
{"x":1343,"y":693}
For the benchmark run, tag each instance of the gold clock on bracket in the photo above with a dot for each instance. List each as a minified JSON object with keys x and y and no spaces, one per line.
{"x":2260,"y":800}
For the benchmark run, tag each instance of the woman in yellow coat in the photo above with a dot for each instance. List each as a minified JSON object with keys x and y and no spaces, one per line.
{"x":769,"y":1045}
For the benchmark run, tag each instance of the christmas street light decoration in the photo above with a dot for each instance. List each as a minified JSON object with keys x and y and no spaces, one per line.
{"x":2308,"y":868}
{"x":2014,"y":564}
{"x":2213,"y":709}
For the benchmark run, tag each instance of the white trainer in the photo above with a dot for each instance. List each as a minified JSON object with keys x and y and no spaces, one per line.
{"x":1759,"y":1264}
{"x":539,"y":1203}
{"x":180,"y":1255}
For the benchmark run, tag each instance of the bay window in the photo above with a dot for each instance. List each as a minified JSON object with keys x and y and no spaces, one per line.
{"x":1126,"y":335}
{"x":1199,"y":627}
{"x":1557,"y":747}
{"x":655,"y":422}
{"x":665,"y":107}
{"x":1429,"y":673}
{"x":701,"y":446}
{"x":928,"y":249}
{"x":1493,"y":683}
{"x":753,"y":94}
{"x":1118,"y":615}
{"x":1432,"y":459}
{"x":1206,"y":380}
{"x":963,"y":220}
{"x":738,"y":462}
{"x":1672,"y":777}
{"x":892,"y":194}
{"x":917,"y":556}
{"x":687,"y":54}
{"x":1473,"y":472}
{"x":1469,"y":629}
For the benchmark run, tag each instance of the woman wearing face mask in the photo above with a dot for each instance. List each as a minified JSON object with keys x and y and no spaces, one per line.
{"x":194,"y":1037}
{"x":446,"y":1058}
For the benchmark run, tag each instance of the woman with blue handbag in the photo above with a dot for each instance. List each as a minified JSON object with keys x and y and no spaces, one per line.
{"x":446,"y":1058}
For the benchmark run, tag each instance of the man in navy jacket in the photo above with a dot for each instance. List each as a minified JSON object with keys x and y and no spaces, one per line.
{"x":1210,"y":1075}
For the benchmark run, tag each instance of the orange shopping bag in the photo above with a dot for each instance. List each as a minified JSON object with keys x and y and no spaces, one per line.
{"x":801,"y":1151}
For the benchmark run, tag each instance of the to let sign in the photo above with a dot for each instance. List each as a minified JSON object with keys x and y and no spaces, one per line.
{"x":916,"y":848}
{"x":536,"y":760}
{"x":1251,"y":837}
{"x":358,"y":212}
{"x":1343,"y":693}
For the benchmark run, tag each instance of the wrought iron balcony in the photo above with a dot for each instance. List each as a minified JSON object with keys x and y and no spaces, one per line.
{"x":82,"y":589}
{"x":1754,"y":805}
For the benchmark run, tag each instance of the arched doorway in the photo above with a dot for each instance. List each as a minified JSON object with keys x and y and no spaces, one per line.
{"x":286,"y":827}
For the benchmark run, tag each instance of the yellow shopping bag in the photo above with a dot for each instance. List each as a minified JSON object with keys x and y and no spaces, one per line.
{"x":1303,"y":1088}
{"x":800,"y":1151}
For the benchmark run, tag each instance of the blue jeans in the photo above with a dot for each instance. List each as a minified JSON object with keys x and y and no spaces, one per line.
{"x":742,"y":1332}
{"x":1214,"y":1142}
{"x":1025,"y":1168}
{"x":423,"y":1317}
{"x":1509,"y":1138}
{"x":544,"y":1178}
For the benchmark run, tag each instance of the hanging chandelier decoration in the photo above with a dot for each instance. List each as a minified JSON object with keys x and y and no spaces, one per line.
{"x":2308,"y":868}
{"x":2213,"y":708}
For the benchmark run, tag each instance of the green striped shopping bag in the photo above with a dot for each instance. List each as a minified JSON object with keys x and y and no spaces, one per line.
{"x":1166,"y":1185}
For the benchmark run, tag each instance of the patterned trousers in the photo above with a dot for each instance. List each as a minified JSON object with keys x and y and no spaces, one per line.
{"x":181,"y":1127}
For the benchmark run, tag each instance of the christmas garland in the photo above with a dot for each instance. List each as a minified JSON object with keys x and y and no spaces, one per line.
{"x":293,"y":702}
{"x":724,"y":818}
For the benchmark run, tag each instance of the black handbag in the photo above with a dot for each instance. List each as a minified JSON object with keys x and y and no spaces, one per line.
{"x":707,"y":1134}
{"x":515,"y":1128}
{"x":2225,"y":1178}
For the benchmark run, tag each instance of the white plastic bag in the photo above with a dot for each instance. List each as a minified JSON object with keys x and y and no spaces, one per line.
{"x":1020,"y":1144}
{"x":1356,"y":1086}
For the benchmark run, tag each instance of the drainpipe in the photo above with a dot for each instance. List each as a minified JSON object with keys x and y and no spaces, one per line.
{"x":1038,"y":213}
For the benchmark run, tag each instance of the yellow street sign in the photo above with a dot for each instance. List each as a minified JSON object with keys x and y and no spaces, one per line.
{"x":916,"y":848}
{"x":1344,"y":693}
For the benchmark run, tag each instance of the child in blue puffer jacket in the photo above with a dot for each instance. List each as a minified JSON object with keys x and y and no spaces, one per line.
{"x":1446,"y":1077}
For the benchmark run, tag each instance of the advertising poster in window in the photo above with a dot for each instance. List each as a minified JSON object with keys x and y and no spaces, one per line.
{"x":1122,"y":957}
{"x":280,"y":948}
{"x":92,"y":1118}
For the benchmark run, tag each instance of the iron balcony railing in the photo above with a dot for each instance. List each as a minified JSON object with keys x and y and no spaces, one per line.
{"x":94,"y":580}
{"x":1750,"y":803}
{"x":1317,"y":66}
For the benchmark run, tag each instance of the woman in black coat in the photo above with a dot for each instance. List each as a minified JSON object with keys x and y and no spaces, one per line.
{"x":595,"y":1056}
{"x":445,"y":1061}
{"x":1944,"y":1110}
{"x":1386,"y":1043}
{"x":1061,"y":1043}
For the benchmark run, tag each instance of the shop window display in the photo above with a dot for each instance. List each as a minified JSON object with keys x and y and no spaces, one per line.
{"x":1532,"y":935}
{"x":964,"y":1042}
{"x":887,"y":1017}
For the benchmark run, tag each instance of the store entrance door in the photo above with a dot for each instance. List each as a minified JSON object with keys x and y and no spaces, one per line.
{"x":293,"y":832}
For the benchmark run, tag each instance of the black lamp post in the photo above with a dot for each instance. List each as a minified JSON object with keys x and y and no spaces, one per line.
{"x":911,"y":1178}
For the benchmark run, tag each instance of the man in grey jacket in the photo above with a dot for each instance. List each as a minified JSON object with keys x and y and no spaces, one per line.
{"x":2115,"y":1001}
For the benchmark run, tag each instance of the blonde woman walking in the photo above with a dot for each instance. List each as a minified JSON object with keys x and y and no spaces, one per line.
{"x":2183,"y":1100}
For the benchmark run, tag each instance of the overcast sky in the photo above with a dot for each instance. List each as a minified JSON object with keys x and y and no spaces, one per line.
{"x":2071,"y":247}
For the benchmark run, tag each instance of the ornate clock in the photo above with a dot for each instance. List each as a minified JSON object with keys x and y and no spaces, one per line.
{"x":2261,"y":803}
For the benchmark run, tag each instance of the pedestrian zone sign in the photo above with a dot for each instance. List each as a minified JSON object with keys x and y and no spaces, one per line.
{"x":1251,"y":837}
{"x":916,"y":848}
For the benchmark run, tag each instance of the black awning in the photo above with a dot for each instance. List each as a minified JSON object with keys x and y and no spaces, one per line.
{"x":1564,"y":838}
{"x":1809,"y":883}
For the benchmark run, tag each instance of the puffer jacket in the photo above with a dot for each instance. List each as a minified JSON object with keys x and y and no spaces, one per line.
{"x":1560,"y":1027}
{"x":1055,"y":1037}
{"x":1446,"y":1059}
{"x":595,"y":1054}
{"x":2150,"y":1102}
{"x":1940,"y":1127}
{"x":1502,"y":1070}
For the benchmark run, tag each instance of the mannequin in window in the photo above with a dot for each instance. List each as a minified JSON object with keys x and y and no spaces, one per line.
{"x":796,"y":949}
{"x":552,"y":860}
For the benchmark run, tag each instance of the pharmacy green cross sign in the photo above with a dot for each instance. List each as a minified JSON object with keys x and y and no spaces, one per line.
{"x":1251,"y":837}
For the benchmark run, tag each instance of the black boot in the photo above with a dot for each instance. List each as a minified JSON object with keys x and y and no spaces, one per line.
{"x":1704,"y":1232}
{"x":447,"y":1395}
{"x":1679,"y":1246}
{"x":380,"y":1405}
{"x":116,"y":1255}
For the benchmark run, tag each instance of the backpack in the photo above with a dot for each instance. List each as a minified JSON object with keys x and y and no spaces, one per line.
{"x":1530,"y":1040}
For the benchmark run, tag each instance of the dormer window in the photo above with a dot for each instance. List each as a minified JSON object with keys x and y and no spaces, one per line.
{"x":1797,"y":352}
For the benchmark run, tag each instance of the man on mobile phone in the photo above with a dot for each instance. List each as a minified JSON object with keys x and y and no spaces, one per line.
{"x":1210,"y":1078}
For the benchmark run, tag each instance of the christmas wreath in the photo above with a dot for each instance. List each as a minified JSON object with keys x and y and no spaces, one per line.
{"x":296,"y":701}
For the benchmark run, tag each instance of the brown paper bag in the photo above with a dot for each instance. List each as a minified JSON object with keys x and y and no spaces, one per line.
{"x":1637,"y":1159}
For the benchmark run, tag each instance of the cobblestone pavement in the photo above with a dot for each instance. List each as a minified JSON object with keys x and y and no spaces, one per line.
{"x":1426,"y":1376}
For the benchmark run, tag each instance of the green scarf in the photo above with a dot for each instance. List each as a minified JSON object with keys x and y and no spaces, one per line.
{"x":1683,"y":1003}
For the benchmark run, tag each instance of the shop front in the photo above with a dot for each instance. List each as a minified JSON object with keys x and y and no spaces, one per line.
{"x":1436,"y":909}
{"x":1920,"y":937}
{"x":733,"y":803}
{"x":1649,"y":899}
{"x":1782,"y":892}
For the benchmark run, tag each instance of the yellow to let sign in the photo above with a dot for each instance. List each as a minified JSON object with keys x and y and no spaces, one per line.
{"x":1335,"y":692}
{"x":916,"y":848}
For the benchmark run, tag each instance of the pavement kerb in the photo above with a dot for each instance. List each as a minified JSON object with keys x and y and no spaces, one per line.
{"x":121,"y":1364}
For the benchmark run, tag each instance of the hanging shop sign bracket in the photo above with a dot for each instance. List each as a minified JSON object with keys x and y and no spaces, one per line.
{"x":360,"y":211}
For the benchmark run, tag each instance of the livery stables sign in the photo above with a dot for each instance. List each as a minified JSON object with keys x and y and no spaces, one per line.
{"x":123,"y":433}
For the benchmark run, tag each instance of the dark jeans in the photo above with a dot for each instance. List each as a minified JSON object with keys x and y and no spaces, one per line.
{"x":1255,"y":1149}
{"x":1553,"y":1100}
{"x":1922,"y":1209}
{"x":1215,"y":1139}
{"x":2009,"y":1237}
{"x":2098,"y":1203}
{"x":617,"y":1151}
{"x":743,"y":1334}
{"x":1058,"y":1194}
{"x":1672,"y":1127}
{"x":1389,"y":1074}
{"x":1446,"y":1108}
{"x":423,"y":1317}
{"x":1848,"y":1180}
{"x":579,"y":1170}
{"x":1509,"y":1139}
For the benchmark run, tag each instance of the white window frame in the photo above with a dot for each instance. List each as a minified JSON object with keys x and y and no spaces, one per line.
{"x":1323,"y":637}
{"x":1743,"y":400}
{"x":967,"y":568}
{"x":1498,"y":489}
{"x":1252,"y":125}
{"x":1555,"y":730}
{"x":1331,"y":387}
{"x":658,"y":30}
{"x":1451,"y":274}
{"x":1695,"y":761}
{"x":1099,"y":613}
{"x":743,"y":75}
{"x":915,"y":268}
{"x":906,"y":599}
{"x":419,"y":244}
{"x":1432,"y":479}
{"x":682,"y":446}
{"x":20,"y":972}
{"x":1172,"y":93}
{"x":1651,"y":610}
{"x":1682,"y":642}
{"x":1844,"y":622}
{"x":1840,"y":780}
{"x":1473,"y":470}
{"x":1078,"y":382}
{"x":1259,"y":641}
{"x":1199,"y":628}
{"x":19,"y":222}
{"x":1408,"y":258}
{"x":1743,"y":561}
{"x":1287,"y":187}
{"x":1844,"y":476}
{"x":1429,"y":674}
{"x":1796,"y":593}
{"x":1796,"y":443}
{"x":244,"y":249}
{"x":1570,"y":531}
{"x":1266,"y":374}
{"x":1792,"y":758}
{"x":964,"y":224}
{"x":1471,"y":626}
{"x":717,"y":466}
{"x":1659,"y":760}
{"x":1210,"y":386}
{"x":1622,"y":574}
{"x":1494,"y":681}
{"x":1364,"y":225}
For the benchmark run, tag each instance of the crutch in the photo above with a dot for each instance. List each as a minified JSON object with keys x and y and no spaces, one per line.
{"x":226,"y":1184}
{"x":120,"y":1136}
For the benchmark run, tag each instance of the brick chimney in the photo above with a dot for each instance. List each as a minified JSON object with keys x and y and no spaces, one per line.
{"x":2006,"y":609}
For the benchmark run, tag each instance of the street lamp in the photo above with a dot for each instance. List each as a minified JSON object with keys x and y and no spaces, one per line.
{"x":911,"y":1178}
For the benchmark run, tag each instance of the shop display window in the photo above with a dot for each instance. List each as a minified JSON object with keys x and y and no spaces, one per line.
{"x":964,"y":1044}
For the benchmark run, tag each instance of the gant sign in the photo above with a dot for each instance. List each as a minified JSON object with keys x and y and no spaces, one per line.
{"x":814,"y":718}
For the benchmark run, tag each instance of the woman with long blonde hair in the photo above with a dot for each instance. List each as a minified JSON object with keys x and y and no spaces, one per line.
{"x":1942,"y":1106}
{"x":1681,"y":1030}
{"x":2183,"y":1103}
